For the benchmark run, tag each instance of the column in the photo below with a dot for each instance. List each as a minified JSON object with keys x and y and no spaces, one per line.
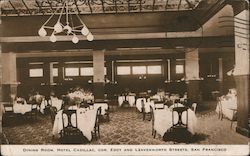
{"x":99,"y":80}
{"x":241,"y":71}
{"x":192,"y":75}
{"x":1,"y":75}
{"x":48,"y":76}
{"x":221,"y":75}
{"x":59,"y":87}
{"x":9,"y":77}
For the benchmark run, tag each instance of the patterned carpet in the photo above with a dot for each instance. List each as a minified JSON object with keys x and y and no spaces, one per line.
{"x":126,"y":127}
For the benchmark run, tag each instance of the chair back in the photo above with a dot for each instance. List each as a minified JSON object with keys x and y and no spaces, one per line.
{"x":194,"y":105}
{"x":71,"y":134}
{"x":8,"y":108}
{"x":159,"y":105}
{"x":34,"y":106}
{"x":84,"y":105}
{"x":179,"y":111}
{"x":53,"y":112}
{"x":98,"y":116}
{"x":142,"y":105}
{"x":69,"y":114}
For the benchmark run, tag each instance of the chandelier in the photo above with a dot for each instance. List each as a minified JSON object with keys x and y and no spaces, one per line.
{"x":65,"y":25}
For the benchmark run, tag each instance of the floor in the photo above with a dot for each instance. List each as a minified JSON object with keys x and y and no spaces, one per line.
{"x":127,"y":127}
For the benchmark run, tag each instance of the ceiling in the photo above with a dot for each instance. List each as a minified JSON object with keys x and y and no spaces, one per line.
{"x":110,"y":17}
{"x":35,"y":7}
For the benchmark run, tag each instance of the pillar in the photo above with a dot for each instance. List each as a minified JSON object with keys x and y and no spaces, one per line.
{"x":1,"y":74}
{"x":99,"y":79}
{"x":59,"y":87}
{"x":241,"y":71}
{"x":9,"y":77}
{"x":48,"y":76}
{"x":221,"y":75}
{"x":192,"y":75}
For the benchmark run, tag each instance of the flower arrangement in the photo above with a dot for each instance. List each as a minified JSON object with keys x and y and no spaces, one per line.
{"x":79,"y":95}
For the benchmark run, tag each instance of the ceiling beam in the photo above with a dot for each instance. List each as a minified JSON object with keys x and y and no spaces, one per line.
{"x":17,"y":12}
{"x":89,"y":52}
{"x":26,"y":7}
{"x":160,"y":35}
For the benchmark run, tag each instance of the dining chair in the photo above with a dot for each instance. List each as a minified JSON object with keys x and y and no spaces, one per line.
{"x":84,"y":104}
{"x":234,"y":118}
{"x":34,"y":112}
{"x":71,"y":134}
{"x":153,"y":121}
{"x":96,"y":130}
{"x":194,"y":106}
{"x":53,"y":112}
{"x":159,"y":104}
{"x":8,"y":112}
{"x":180,"y":124}
{"x":145,"y":114}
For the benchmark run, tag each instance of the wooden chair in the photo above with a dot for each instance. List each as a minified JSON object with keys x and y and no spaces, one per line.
{"x":53,"y":112}
{"x":106,"y":115}
{"x":194,"y":106}
{"x":144,"y":113}
{"x":71,"y":134}
{"x":159,"y":105}
{"x":84,"y":105}
{"x":96,"y":130}
{"x":153,"y":121}
{"x":234,"y":117}
{"x":8,"y":112}
{"x":34,"y":112}
{"x":180,"y":124}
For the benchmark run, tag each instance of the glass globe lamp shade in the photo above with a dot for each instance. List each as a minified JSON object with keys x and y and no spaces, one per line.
{"x":75,"y":39}
{"x":42,"y":32}
{"x":58,"y":27}
{"x":90,"y":37}
{"x":85,"y":31}
{"x":68,"y":28}
{"x":52,"y":38}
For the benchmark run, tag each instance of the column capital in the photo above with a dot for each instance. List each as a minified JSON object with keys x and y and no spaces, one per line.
{"x":239,"y":5}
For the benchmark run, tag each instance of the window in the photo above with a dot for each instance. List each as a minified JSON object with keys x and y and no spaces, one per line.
{"x":38,"y":72}
{"x":179,"y":69}
{"x":154,"y":69}
{"x":105,"y":71}
{"x":55,"y":72}
{"x":139,"y":70}
{"x":123,"y":70}
{"x":71,"y":71}
{"x":87,"y":71}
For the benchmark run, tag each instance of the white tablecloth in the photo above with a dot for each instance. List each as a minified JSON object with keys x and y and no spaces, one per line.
{"x":147,"y":104}
{"x":163,"y":120}
{"x":85,"y":122}
{"x":55,"y":102}
{"x":227,"y":107}
{"x":129,"y":98}
{"x":44,"y":103}
{"x":21,"y":108}
{"x":104,"y":107}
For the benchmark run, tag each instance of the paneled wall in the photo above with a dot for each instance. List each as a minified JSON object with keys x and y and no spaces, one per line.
{"x":170,"y":78}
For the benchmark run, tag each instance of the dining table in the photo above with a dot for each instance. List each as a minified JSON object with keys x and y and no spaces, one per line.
{"x":147,"y":104}
{"x":86,"y":118}
{"x":129,"y":98}
{"x":163,"y":119}
{"x":227,"y":107}
{"x":55,"y":102}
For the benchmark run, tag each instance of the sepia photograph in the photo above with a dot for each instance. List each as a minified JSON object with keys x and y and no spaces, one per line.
{"x":124,"y":77}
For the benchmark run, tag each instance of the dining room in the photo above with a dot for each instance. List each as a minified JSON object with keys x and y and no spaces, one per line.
{"x":124,"y":72}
